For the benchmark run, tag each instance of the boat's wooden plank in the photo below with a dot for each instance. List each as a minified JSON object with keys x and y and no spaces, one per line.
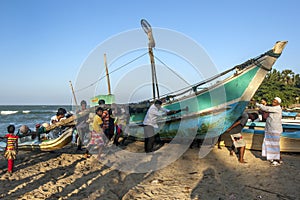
{"x":254,"y":142}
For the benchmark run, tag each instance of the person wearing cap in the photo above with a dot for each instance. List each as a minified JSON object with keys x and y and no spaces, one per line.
{"x":273,"y":129}
{"x":150,"y":124}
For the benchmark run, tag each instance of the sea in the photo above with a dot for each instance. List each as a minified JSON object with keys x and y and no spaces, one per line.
{"x":29,"y":115}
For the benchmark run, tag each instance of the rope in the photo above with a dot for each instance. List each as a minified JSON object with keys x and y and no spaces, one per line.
{"x":122,"y":66}
{"x":171,"y":70}
{"x":240,"y":67}
{"x":195,"y":86}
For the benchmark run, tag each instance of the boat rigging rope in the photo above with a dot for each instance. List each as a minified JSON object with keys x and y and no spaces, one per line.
{"x":172,"y":70}
{"x":195,"y":86}
{"x":102,"y":77}
{"x":256,"y":61}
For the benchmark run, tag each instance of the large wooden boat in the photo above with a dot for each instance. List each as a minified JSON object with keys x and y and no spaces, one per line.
{"x":208,"y":107}
{"x":212,"y":110}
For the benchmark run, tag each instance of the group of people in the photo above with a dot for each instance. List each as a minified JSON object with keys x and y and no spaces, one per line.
{"x":271,"y":144}
{"x":109,"y":122}
{"x":106,"y":124}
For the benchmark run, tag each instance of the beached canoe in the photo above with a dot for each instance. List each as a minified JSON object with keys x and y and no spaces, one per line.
{"x":49,"y":145}
{"x":30,"y":141}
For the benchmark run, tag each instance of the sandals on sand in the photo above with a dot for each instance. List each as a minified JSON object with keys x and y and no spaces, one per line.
{"x":275,"y":163}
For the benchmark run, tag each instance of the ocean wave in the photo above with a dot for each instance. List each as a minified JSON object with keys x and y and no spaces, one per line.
{"x":8,"y":112}
{"x":26,"y":111}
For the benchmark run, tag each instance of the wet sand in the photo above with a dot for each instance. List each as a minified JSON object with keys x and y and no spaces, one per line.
{"x":66,"y":174}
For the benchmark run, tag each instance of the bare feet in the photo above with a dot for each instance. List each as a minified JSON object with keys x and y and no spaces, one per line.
{"x":86,"y":155}
{"x":242,"y":161}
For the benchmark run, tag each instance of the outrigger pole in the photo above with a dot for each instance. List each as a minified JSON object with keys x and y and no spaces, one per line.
{"x":148,"y":30}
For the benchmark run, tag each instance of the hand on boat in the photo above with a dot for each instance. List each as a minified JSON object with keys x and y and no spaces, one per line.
{"x":185,"y":109}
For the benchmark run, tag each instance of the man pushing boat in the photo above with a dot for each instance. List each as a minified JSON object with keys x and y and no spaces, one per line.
{"x":152,"y":139}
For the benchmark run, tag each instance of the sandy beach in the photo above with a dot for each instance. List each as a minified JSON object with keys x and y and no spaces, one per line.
{"x":66,"y":174}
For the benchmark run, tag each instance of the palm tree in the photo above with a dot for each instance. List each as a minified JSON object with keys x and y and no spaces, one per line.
{"x":287,"y":76}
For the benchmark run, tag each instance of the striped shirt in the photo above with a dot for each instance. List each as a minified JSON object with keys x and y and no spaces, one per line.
{"x":12,"y":141}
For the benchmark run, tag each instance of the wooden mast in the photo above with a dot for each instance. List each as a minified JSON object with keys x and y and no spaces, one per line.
{"x":73,"y":93}
{"x":107,"y":75}
{"x":148,"y":30}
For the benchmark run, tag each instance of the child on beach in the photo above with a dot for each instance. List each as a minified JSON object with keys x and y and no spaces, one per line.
{"x":11,"y":149}
{"x":96,"y":134}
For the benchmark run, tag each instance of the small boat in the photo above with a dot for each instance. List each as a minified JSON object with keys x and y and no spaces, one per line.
{"x":253,"y":133}
{"x":48,"y":145}
{"x":30,"y":141}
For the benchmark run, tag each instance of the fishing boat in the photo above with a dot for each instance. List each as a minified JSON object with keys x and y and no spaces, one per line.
{"x":30,"y":141}
{"x":48,"y":145}
{"x":212,"y":106}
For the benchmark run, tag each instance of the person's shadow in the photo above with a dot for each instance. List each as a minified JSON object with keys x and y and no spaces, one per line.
{"x":205,"y":189}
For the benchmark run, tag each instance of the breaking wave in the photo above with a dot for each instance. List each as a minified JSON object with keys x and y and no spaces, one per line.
{"x":8,"y":112}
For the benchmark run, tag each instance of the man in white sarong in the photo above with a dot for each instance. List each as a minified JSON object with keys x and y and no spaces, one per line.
{"x":273,"y":129}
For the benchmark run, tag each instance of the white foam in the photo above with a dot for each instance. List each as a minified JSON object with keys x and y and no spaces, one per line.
{"x":8,"y":112}
{"x":26,"y":111}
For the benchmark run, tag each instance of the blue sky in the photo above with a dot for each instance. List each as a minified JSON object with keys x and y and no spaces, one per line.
{"x":44,"y":43}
